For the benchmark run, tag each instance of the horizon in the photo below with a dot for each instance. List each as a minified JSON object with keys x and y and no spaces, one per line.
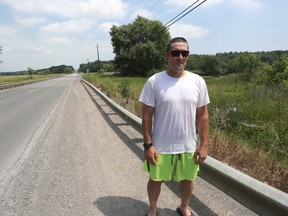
{"x":41,"y":33}
{"x":37,"y":69}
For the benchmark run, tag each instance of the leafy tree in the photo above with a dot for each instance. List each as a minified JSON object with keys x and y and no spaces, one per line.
{"x":68,"y":70}
{"x":277,"y":74}
{"x":193,"y":62}
{"x":30,"y":72}
{"x":139,"y":47}
{"x":246,"y":65}
{"x":46,"y":72}
{"x":93,"y":66}
{"x":61,"y":69}
{"x":107,"y":66}
{"x":210,"y":65}
{"x":226,"y":60}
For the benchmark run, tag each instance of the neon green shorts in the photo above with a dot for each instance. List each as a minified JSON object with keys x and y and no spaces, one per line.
{"x":180,"y":166}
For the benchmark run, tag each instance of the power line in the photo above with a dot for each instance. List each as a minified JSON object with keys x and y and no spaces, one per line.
{"x":181,"y":13}
{"x":171,"y":23}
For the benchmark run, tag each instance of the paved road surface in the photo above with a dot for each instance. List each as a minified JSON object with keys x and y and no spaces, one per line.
{"x":23,"y":112}
{"x":88,"y":162}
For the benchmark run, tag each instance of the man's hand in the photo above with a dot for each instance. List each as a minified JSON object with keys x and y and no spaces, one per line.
{"x":200,"y":154}
{"x":151,"y":155}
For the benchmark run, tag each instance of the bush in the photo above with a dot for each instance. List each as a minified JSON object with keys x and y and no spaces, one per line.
{"x":124,"y":89}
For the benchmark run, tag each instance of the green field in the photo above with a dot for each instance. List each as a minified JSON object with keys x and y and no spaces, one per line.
{"x":248,"y":124}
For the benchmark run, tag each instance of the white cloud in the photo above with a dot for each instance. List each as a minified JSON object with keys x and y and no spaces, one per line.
{"x":6,"y":31}
{"x":31,"y":21}
{"x":106,"y":26}
{"x":63,"y":41}
{"x":188,"y":31}
{"x":177,"y":3}
{"x":247,"y":4}
{"x":142,"y":12}
{"x":70,"y":8}
{"x":184,"y":3}
{"x":72,"y":26}
{"x":213,"y":2}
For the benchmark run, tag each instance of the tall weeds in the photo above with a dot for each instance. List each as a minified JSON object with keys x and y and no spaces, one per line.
{"x":258,"y":117}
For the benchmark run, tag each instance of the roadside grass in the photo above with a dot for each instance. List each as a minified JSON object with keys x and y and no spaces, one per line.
{"x":7,"y":79}
{"x":111,"y":83}
{"x":248,"y":129}
{"x":250,"y":160}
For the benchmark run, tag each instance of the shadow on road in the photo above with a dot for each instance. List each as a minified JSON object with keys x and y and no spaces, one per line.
{"x":123,"y":206}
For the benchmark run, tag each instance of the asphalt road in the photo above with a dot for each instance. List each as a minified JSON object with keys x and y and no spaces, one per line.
{"x":87,"y":161}
{"x":23,"y":112}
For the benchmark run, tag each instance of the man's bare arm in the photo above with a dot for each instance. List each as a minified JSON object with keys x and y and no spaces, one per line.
{"x":202,"y":124}
{"x":147,"y":118}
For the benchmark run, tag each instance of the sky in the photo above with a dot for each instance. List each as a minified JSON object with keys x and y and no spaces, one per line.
{"x":44,"y":33}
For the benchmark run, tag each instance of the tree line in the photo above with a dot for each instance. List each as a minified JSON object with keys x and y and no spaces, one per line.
{"x":139,"y":49}
{"x":266,"y":68}
{"x":60,"y":69}
{"x":104,"y":66}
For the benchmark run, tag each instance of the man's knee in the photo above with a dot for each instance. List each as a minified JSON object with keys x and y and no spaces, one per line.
{"x":154,"y":184}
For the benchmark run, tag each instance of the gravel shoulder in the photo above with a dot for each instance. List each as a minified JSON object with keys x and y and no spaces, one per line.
{"x":88,"y":162}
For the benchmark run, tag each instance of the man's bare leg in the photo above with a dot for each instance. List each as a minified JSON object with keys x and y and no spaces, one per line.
{"x":154,"y":188}
{"x":186,"y":189}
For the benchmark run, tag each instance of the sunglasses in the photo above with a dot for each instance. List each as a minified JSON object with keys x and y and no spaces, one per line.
{"x":176,"y":53}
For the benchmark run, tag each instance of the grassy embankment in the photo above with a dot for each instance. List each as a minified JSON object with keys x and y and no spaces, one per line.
{"x":248,"y":125}
{"x":22,"y":78}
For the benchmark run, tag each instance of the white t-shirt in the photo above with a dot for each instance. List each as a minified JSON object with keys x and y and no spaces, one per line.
{"x":175,"y":101}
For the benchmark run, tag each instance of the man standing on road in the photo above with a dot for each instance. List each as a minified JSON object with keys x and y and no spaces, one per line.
{"x":174,"y":111}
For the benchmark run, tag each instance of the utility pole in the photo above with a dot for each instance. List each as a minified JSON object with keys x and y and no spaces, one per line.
{"x":88,"y":65}
{"x":98,"y":59}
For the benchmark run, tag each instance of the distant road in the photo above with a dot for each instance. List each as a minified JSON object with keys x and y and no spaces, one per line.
{"x":23,"y":111}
